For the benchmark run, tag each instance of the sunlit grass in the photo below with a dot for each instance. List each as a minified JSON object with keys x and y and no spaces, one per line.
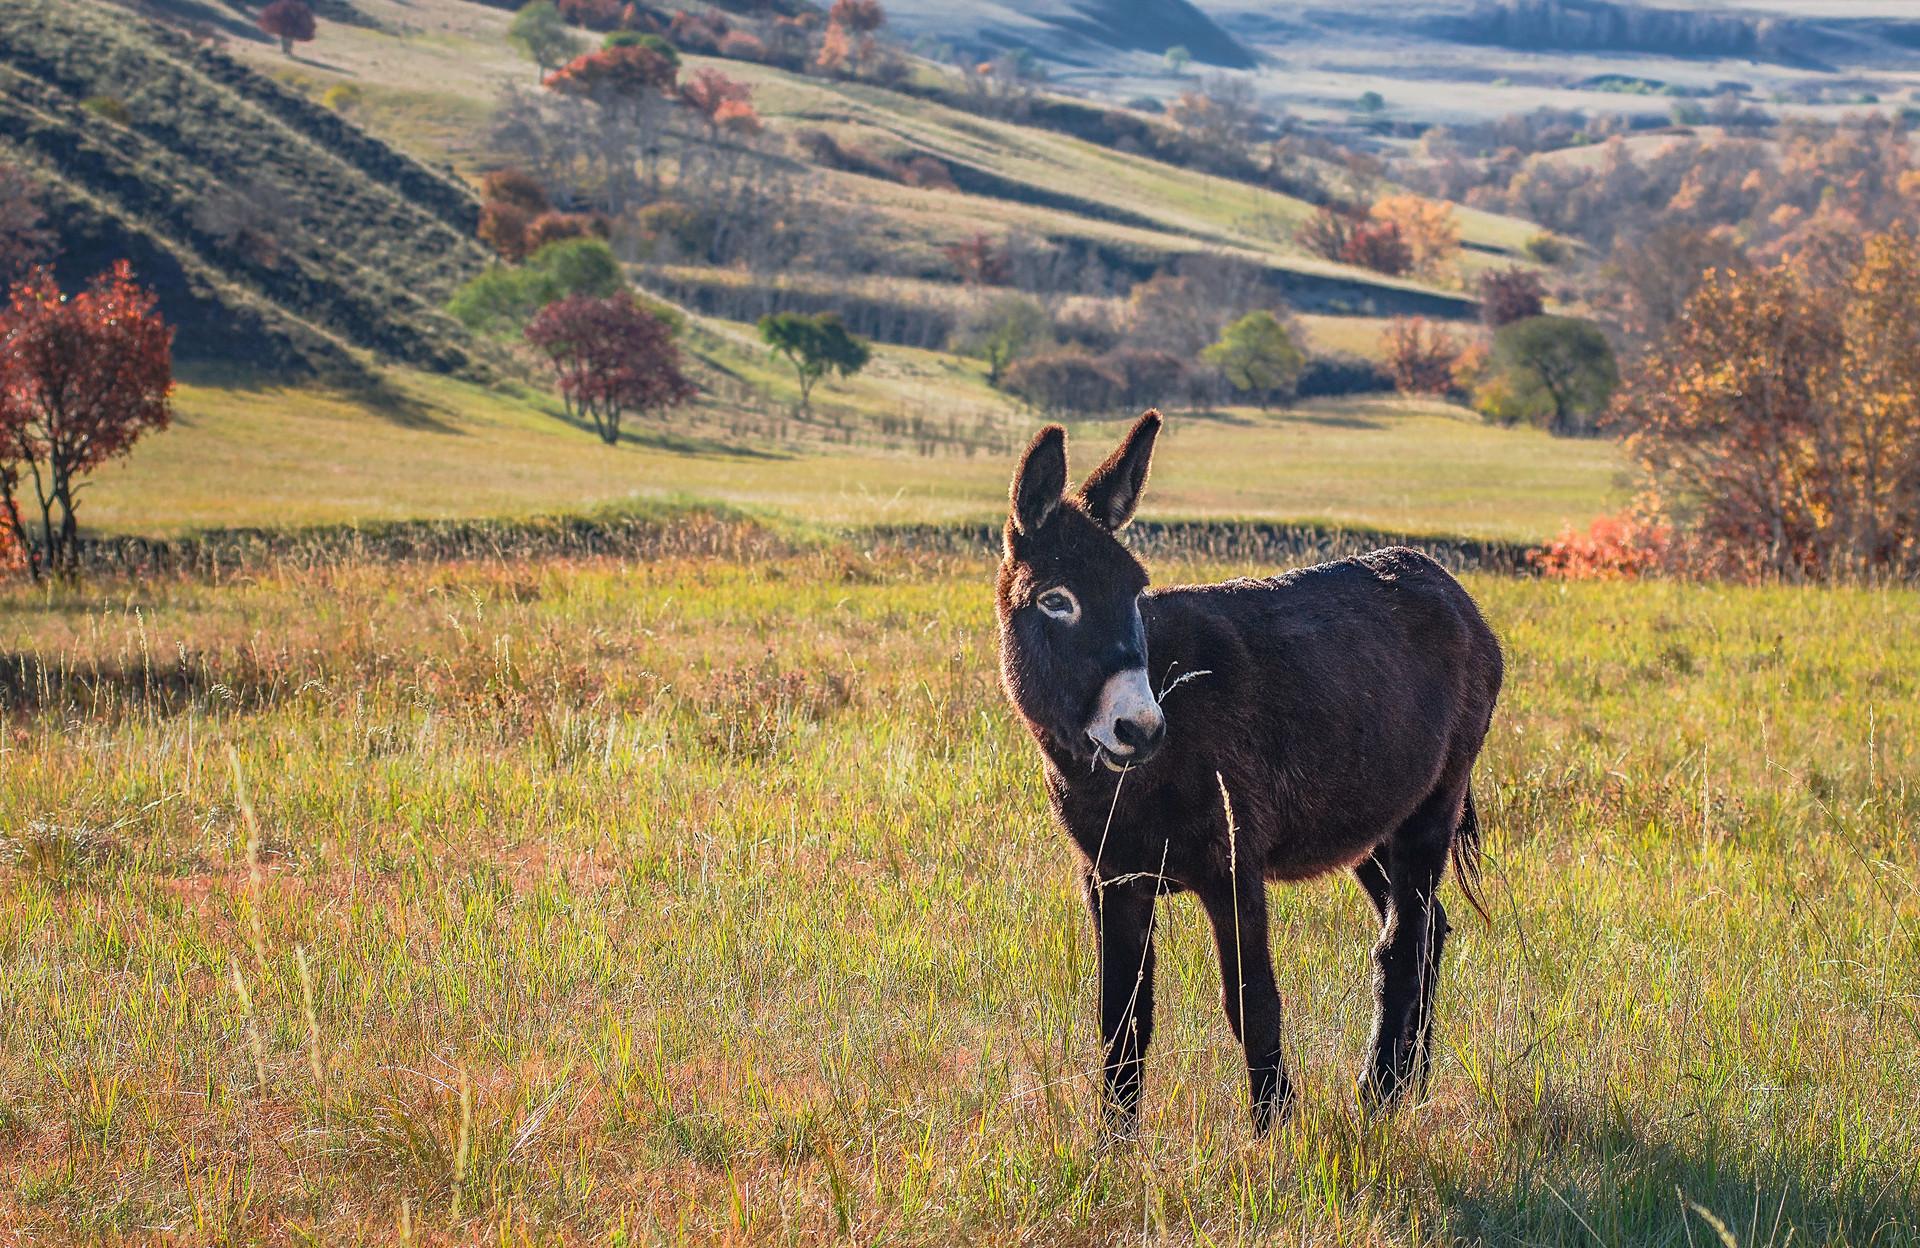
{"x":728,"y":895}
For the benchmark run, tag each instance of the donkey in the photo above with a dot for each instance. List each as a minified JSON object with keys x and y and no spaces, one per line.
{"x":1214,"y":737}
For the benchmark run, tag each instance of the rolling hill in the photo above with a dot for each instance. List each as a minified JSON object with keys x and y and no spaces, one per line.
{"x":277,"y":234}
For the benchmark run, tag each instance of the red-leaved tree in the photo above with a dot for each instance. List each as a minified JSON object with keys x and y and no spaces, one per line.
{"x":289,"y":21}
{"x":611,"y":357}
{"x":81,"y":379}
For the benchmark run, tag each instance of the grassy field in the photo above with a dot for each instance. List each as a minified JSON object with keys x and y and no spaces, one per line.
{"x":428,"y":447}
{"x":703,"y":902}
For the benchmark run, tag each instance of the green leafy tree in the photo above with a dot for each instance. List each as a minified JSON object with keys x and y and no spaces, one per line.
{"x":1002,"y":332}
{"x":1258,"y":356}
{"x":1554,"y":370}
{"x":502,"y":299}
{"x":1370,"y":102}
{"x":1178,"y":58}
{"x":814,"y":346}
{"x":543,"y":36}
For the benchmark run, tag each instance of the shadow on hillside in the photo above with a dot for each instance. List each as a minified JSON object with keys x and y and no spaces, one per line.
{"x":1332,"y":420}
{"x":1585,"y":1176}
{"x":677,"y":443}
{"x":159,"y":686}
{"x":396,"y":407}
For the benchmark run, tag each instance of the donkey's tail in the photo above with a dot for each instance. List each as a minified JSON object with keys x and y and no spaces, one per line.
{"x":1465,"y":852}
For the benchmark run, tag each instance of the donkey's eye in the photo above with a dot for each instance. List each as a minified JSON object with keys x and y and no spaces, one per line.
{"x":1061,"y":605}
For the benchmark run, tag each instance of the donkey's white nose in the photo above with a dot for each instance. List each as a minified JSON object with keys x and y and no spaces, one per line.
{"x":1127,"y":720}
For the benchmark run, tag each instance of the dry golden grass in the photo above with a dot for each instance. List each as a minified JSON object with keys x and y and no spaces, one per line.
{"x":696,"y":902}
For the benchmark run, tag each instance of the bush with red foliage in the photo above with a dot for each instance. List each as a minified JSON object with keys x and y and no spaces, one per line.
{"x":1614,"y":548}
{"x":516,"y":187}
{"x":289,"y":21}
{"x":1380,"y":246}
{"x":1511,"y":294}
{"x":81,"y":380}
{"x":1420,"y":356}
{"x":611,"y":357}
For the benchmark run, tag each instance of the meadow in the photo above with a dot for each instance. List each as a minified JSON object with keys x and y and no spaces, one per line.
{"x":716,"y":900}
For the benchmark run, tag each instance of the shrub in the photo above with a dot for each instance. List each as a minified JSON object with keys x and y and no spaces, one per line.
{"x":1511,"y":294}
{"x":1547,"y":249}
{"x":1380,"y":246}
{"x":1066,"y":383}
{"x":687,"y":230}
{"x":503,"y":227}
{"x":1149,"y":378}
{"x":516,"y":187}
{"x":1613,"y":548}
{"x":557,"y":227}
{"x":697,"y":33}
{"x":343,"y":98}
{"x":1420,"y":356}
{"x":109,"y":108}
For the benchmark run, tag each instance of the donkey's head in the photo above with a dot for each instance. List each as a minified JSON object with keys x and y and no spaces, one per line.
{"x":1073,"y":650}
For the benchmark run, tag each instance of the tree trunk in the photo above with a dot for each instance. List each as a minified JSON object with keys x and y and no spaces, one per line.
{"x":286,"y":46}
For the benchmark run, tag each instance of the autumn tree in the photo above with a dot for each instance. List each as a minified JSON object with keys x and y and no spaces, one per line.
{"x":1258,"y":357}
{"x":1780,"y":417}
{"x":814,"y":346}
{"x":1511,"y":294}
{"x":611,"y":357}
{"x":543,"y":37}
{"x":1556,"y":371}
{"x":979,"y":260}
{"x":1420,"y":355}
{"x":81,"y":380}
{"x":1380,"y":246}
{"x":289,"y":21}
{"x":1428,"y":227}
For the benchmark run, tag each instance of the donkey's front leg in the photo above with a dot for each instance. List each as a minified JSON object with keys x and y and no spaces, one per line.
{"x":1238,"y":910}
{"x":1123,"y":926}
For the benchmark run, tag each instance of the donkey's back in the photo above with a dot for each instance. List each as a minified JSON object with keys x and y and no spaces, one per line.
{"x":1337,"y":698}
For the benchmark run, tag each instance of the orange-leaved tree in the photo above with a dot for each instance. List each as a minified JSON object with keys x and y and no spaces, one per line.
{"x":82,"y":378}
{"x":1781,"y":414}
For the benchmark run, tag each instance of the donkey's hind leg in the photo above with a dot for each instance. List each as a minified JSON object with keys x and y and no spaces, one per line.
{"x":1407,"y":958}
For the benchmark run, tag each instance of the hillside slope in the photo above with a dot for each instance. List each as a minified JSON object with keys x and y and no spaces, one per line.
{"x":276,"y":233}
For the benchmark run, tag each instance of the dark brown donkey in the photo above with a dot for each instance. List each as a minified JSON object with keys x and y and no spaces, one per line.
{"x":1213,"y":737}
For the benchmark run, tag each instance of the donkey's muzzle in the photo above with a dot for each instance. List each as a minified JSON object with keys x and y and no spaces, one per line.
{"x":1128,"y":726}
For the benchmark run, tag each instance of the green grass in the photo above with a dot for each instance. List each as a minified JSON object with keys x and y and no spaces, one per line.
{"x":725,"y":900}
{"x":437,"y":447}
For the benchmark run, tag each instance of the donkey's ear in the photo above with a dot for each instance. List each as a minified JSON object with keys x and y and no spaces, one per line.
{"x":1041,"y":480}
{"x":1114,"y":488}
